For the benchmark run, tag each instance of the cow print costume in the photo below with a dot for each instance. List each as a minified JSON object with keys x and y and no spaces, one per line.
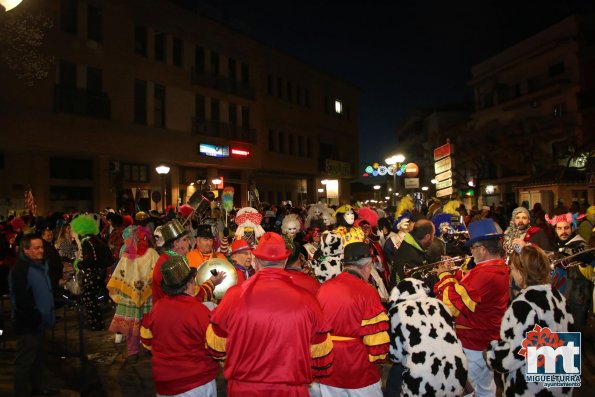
{"x":328,"y":263}
{"x":424,"y":341}
{"x":537,"y":304}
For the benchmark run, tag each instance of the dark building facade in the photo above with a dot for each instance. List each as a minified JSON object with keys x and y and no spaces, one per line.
{"x":135,"y":84}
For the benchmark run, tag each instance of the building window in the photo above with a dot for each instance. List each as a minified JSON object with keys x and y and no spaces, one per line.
{"x":140,"y":40}
{"x":488,"y":100}
{"x":94,"y":26}
{"x":298,"y":94}
{"x":307,"y":97}
{"x":214,"y":110}
{"x":281,"y":142}
{"x":289,"y":92}
{"x":300,"y":145}
{"x":231,"y":70}
{"x":69,"y":168}
{"x":338,"y":106}
{"x":199,"y":110}
{"x":215,"y":63}
{"x":559,"y":109}
{"x":160,"y":46}
{"x":140,"y":102}
{"x":290,"y":141}
{"x":177,"y":52}
{"x":135,"y":172}
{"x":271,"y":140}
{"x":308,"y":148}
{"x":69,"y":16}
{"x":245,"y":74}
{"x":199,"y":59}
{"x":67,"y":74}
{"x":556,"y":69}
{"x":279,"y":88}
{"x":233,"y":114}
{"x":269,"y":84}
{"x":94,"y":80}
{"x":245,"y":117}
{"x":159,"y":106}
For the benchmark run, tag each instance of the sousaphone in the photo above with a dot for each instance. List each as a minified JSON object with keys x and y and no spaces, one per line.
{"x":213,"y":266}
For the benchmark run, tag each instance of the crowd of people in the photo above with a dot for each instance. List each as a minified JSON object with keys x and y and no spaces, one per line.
{"x":312,"y":300}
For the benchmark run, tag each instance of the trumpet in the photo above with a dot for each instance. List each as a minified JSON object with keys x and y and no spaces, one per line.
{"x":430,"y":268}
{"x":564,"y":262}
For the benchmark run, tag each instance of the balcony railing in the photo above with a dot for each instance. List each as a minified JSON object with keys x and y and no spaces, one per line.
{"x":222,"y":130}
{"x":221,"y":83}
{"x":81,"y":102}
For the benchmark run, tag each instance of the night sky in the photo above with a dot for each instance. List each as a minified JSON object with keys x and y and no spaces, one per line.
{"x":404,"y":54}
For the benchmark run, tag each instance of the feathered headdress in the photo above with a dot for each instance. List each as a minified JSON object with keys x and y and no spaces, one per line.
{"x":369,"y":215}
{"x":451,"y":207}
{"x":403,"y":213}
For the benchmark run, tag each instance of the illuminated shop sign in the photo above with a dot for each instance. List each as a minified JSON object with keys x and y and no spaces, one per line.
{"x":213,"y":150}
{"x":240,"y":152}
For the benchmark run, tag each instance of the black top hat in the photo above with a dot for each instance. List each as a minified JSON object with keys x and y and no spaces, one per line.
{"x":204,"y":231}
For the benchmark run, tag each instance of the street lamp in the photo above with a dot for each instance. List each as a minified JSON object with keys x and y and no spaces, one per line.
{"x":162,"y":170}
{"x":9,"y":4}
{"x":395,"y":160}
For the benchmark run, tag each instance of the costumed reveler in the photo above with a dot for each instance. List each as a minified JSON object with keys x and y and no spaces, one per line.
{"x":315,"y":216}
{"x":96,"y":257}
{"x":424,"y":348}
{"x":400,"y":228}
{"x":450,"y":229}
{"x":312,"y":242}
{"x":346,"y":216}
{"x":248,"y":220}
{"x":290,"y":229}
{"x":359,"y":326}
{"x":478,"y":300}
{"x":575,"y":281}
{"x":130,"y":286}
{"x":380,"y":274}
{"x":520,"y":232}
{"x":537,"y":306}
{"x":328,"y":262}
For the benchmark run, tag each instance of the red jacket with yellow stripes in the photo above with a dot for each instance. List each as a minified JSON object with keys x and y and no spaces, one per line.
{"x":360,"y":325}
{"x":268,"y":330}
{"x":477,"y":301}
{"x":174,"y":331}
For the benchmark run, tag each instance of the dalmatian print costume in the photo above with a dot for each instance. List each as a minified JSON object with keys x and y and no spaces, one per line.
{"x":537,"y":304}
{"x":424,"y":341}
{"x":329,"y":263}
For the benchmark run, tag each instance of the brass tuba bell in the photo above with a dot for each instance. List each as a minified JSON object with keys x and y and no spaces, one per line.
{"x":205,"y":271}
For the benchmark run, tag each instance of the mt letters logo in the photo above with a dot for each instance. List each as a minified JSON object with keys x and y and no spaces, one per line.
{"x":553,"y":358}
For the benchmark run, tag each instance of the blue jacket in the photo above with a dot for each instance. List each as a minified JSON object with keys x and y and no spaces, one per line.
{"x":31,"y":296}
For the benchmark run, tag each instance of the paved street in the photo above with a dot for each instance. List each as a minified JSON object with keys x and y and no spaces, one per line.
{"x":106,"y":371}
